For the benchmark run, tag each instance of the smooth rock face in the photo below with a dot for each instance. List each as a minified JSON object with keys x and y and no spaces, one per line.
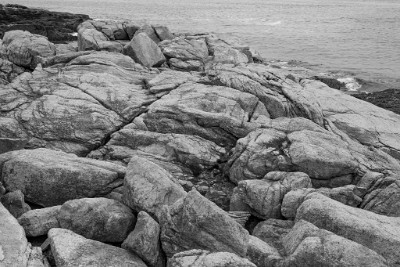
{"x":265,"y":196}
{"x":47,"y":177}
{"x":25,"y":49}
{"x":101,"y":219}
{"x":150,"y":32}
{"x":196,"y":223}
{"x":70,"y":250}
{"x":39,"y":221}
{"x":14,"y":248}
{"x":163,"y":32}
{"x":144,"y":241}
{"x":144,"y":51}
{"x":307,"y":245}
{"x":14,"y":202}
{"x":200,"y":258}
{"x":376,"y":232}
{"x":148,"y":186}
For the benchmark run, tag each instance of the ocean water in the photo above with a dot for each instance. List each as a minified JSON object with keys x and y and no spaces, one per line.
{"x":357,"y":37}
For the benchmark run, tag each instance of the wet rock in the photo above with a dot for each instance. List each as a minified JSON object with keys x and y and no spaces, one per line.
{"x":144,"y":241}
{"x":56,"y":26}
{"x":15,"y":203}
{"x":295,"y":198}
{"x":14,"y":247}
{"x":144,"y":51}
{"x":148,"y":186}
{"x":376,"y":232}
{"x":196,"y":223}
{"x":265,"y":196}
{"x":198,"y":258}
{"x":101,"y":219}
{"x":70,"y":249}
{"x":38,"y":222}
{"x":47,"y":177}
{"x":26,"y":49}
{"x":307,"y":245}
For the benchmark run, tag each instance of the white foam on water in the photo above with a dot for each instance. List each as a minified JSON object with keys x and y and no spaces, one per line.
{"x":350,"y":83}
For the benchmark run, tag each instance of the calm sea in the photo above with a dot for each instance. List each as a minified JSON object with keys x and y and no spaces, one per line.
{"x":355,"y":36}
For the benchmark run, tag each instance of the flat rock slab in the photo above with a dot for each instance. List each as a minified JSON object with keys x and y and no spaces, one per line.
{"x":72,"y":250}
{"x":48,"y":178}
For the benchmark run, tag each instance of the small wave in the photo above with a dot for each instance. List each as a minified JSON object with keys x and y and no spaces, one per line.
{"x":271,"y":23}
{"x":350,"y":83}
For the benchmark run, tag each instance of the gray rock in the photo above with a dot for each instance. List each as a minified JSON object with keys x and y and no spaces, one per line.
{"x":262,"y":254}
{"x":150,"y":32}
{"x":144,"y":241}
{"x":39,"y":221}
{"x":89,"y":38}
{"x":26,"y":49}
{"x":307,"y":245}
{"x":196,"y":223}
{"x":70,"y":249}
{"x":265,"y":196}
{"x":101,"y":219}
{"x":47,"y":177}
{"x":37,"y":259}
{"x":272,"y":231}
{"x":199,"y":258}
{"x":148,"y":186}
{"x":144,"y":51}
{"x":222,"y":52}
{"x":14,"y":248}
{"x":14,"y":202}
{"x":163,"y":32}
{"x":376,"y":232}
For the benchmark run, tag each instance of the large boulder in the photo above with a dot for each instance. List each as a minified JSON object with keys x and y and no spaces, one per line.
{"x":265,"y":196}
{"x":101,"y":219}
{"x":69,"y":249}
{"x":222,"y":52}
{"x":376,"y":232}
{"x":26,"y":49}
{"x":76,"y":107}
{"x":144,"y":51}
{"x":38,"y":222}
{"x":307,"y":245}
{"x":200,"y":258}
{"x":148,"y":186}
{"x":14,"y":247}
{"x":48,"y":178}
{"x":196,"y":223}
{"x":144,"y":241}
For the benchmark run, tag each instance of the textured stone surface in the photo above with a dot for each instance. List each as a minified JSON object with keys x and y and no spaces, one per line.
{"x":200,"y":258}
{"x":196,"y":223}
{"x":376,"y":232}
{"x":272,"y":231}
{"x":70,"y":249}
{"x":38,"y":222}
{"x":144,"y":241}
{"x":15,"y":203}
{"x":144,"y":51}
{"x":101,"y":219}
{"x":262,"y":254}
{"x":47,"y":177}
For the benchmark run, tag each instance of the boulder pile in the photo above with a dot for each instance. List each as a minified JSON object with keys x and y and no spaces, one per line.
{"x":146,"y":148}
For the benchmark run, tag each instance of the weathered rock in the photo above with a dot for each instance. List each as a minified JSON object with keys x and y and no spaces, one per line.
{"x":74,"y":108}
{"x":14,"y":202}
{"x":265,"y":196}
{"x":150,"y":32}
{"x":9,"y":71}
{"x":144,"y":241}
{"x":295,"y":198}
{"x":219,"y":114}
{"x":307,"y":245}
{"x":14,"y":247}
{"x":70,"y":249}
{"x":148,"y":186}
{"x":144,"y":51}
{"x":39,"y":221}
{"x":196,"y":223}
{"x":48,"y":177}
{"x":376,"y":232}
{"x":37,"y":259}
{"x":272,"y":231}
{"x":169,"y":80}
{"x":224,"y":53}
{"x":163,"y":32}
{"x":199,"y":258}
{"x":26,"y":49}
{"x":57,"y":26}
{"x":101,"y":219}
{"x":262,"y":254}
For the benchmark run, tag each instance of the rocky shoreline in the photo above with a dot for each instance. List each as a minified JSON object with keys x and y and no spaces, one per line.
{"x":135,"y":146}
